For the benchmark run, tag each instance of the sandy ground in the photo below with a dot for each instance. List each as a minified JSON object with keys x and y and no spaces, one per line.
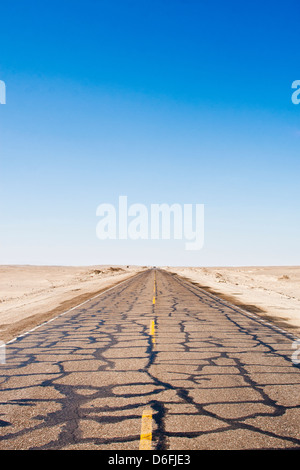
{"x":30,"y":295}
{"x":271,"y":292}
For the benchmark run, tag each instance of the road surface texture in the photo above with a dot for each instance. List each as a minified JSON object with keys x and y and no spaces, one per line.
{"x":153,"y":363}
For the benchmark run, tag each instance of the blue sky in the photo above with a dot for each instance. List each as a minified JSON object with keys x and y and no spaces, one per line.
{"x":163,"y":101}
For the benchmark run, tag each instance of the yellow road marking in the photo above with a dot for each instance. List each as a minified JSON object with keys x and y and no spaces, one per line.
{"x":146,"y":431}
{"x":154,"y":289}
{"x":152,"y":330}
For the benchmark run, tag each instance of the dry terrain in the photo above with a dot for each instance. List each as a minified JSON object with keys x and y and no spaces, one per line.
{"x":272,"y":292}
{"x":155,"y":363}
{"x":30,"y":295}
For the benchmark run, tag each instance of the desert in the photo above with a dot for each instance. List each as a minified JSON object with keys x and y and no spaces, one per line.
{"x":271,"y":292}
{"x":30,"y":295}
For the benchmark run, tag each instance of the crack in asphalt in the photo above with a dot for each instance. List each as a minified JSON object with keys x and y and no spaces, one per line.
{"x":212,"y":376}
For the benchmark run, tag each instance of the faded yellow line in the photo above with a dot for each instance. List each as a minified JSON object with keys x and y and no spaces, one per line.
{"x":152,"y":331}
{"x":146,"y":430}
{"x":152,"y":328}
{"x":154,"y":290}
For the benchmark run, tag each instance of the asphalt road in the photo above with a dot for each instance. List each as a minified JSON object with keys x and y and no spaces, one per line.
{"x":153,"y":363}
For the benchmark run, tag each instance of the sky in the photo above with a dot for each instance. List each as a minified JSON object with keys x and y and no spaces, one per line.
{"x":180,"y":101}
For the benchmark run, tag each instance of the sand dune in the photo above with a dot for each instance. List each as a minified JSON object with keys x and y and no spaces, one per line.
{"x":271,"y":292}
{"x":30,"y":295}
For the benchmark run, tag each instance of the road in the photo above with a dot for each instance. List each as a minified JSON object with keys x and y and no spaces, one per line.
{"x":153,"y":363}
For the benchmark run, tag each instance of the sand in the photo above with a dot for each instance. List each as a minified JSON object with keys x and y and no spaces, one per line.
{"x":272,"y":292}
{"x":30,"y":295}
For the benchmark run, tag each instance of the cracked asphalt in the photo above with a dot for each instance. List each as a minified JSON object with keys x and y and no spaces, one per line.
{"x":213,"y":376}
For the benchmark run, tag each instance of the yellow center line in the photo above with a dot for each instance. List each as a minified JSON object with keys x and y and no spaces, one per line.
{"x":152,"y":328}
{"x":152,"y":331}
{"x":154,"y":289}
{"x":146,"y":431}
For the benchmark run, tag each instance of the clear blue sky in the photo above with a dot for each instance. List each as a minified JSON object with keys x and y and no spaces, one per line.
{"x":176,"y":101}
